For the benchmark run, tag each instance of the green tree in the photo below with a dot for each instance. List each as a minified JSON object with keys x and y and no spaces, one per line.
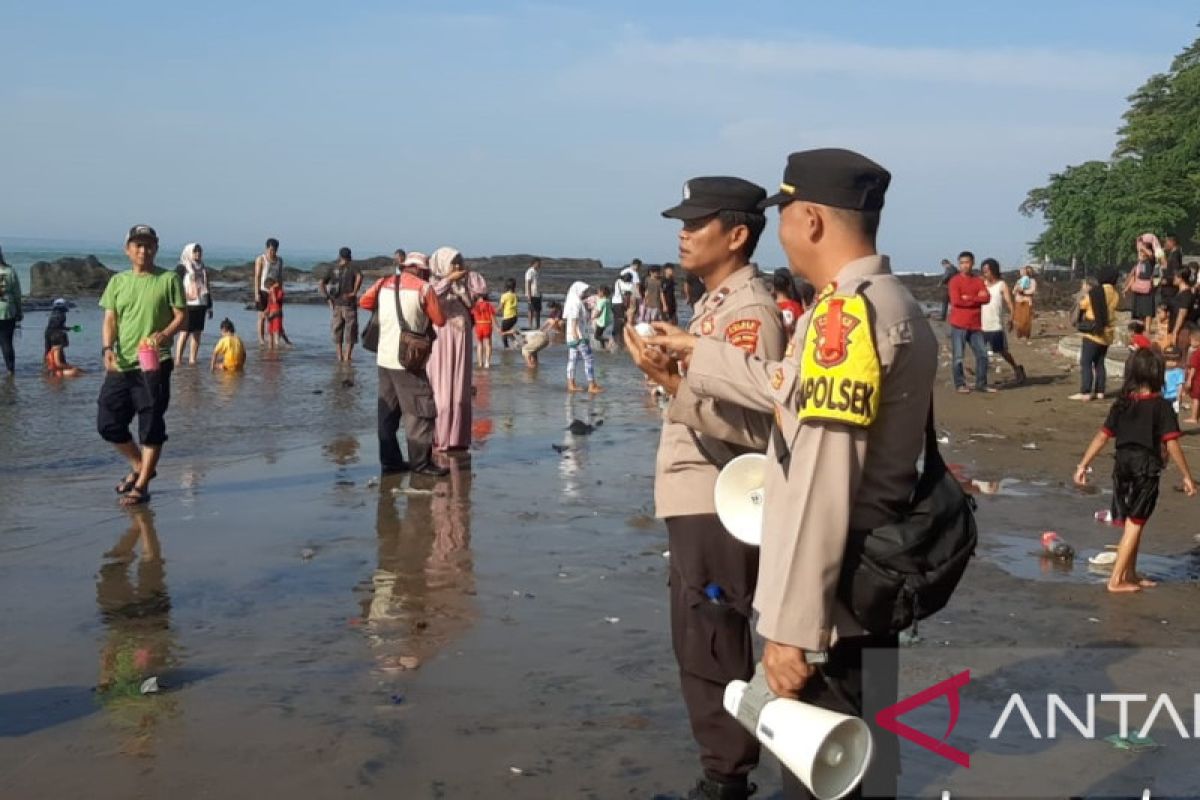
{"x":1094,"y":211}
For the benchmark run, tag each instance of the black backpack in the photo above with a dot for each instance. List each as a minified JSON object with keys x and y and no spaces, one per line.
{"x":907,"y":569}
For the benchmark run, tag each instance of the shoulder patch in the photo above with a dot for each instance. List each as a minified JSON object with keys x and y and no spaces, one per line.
{"x":744,"y":334}
{"x":841,"y":375}
{"x":706,"y":327}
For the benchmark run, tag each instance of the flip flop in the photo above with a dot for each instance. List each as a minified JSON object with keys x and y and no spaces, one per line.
{"x":135,"y":497}
{"x":1103,"y":559}
{"x":129,"y":481}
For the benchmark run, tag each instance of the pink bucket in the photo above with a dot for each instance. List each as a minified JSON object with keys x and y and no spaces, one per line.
{"x":147,"y":358}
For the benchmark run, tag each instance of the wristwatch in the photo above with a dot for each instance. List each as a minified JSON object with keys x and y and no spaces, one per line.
{"x":106,"y":349}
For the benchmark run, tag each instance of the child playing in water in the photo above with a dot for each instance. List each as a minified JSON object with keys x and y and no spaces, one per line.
{"x":484,"y":314}
{"x":602,"y":315}
{"x":538,"y":340}
{"x":508,"y":312}
{"x":229,"y":349}
{"x":274,"y":313}
{"x":56,"y":357}
{"x":1142,"y":422}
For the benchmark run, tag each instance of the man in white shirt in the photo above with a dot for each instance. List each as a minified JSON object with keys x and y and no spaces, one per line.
{"x":624,"y":303}
{"x":533,"y":294}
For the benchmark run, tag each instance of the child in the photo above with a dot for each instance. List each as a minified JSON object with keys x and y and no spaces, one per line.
{"x":1138,"y":340}
{"x":1142,"y":422}
{"x":1192,"y":379}
{"x":274,"y":313}
{"x":578,"y":338}
{"x":229,"y":349}
{"x":602,"y":315}
{"x":56,"y":324}
{"x":538,"y":340}
{"x":1173,"y":377}
{"x":508,"y":312}
{"x":484,"y":315}
{"x":56,"y":357}
{"x":1162,"y":328}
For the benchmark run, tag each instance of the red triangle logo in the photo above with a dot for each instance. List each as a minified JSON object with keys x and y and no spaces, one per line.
{"x":888,"y":718}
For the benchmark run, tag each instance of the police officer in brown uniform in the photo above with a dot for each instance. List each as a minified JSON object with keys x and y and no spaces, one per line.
{"x":712,"y":574}
{"x":848,"y":400}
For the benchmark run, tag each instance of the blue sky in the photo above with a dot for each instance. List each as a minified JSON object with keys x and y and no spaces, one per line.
{"x":555,"y":128}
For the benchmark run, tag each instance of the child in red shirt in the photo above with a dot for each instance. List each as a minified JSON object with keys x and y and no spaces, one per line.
{"x":1192,"y":381}
{"x":274,"y":312}
{"x":484,"y":314}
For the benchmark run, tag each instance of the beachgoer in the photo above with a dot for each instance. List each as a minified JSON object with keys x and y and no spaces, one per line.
{"x":624,"y":303}
{"x":143,"y":309}
{"x":721,"y":226}
{"x":602,"y":316}
{"x":508,"y":312}
{"x":483,"y":313}
{"x":538,"y":340}
{"x":1173,"y":377}
{"x":1138,"y":340}
{"x":199,"y":301}
{"x":56,"y":323}
{"x":1142,"y":423}
{"x":274,"y":313}
{"x":533,"y":293}
{"x":652,"y":298}
{"x":449,"y":367}
{"x":968,"y":294}
{"x":1181,"y":312}
{"x":577,"y":321}
{"x":991,"y":316}
{"x":1140,"y":283}
{"x":670,"y":306}
{"x":267,"y":265}
{"x":1192,"y":379}
{"x":832,"y":466}
{"x":398,"y":259}
{"x":948,"y":272}
{"x":230,"y":354}
{"x":783,"y":287}
{"x":405,"y":395}
{"x":10,"y":312}
{"x":1023,"y":293}
{"x":57,"y":365}
{"x":1164,"y":337}
{"x":1098,"y":315}
{"x":340,"y":289}
{"x":1173,"y":263}
{"x":693,"y":290}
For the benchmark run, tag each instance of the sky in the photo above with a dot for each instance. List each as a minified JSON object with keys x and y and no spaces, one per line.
{"x":560,"y":129}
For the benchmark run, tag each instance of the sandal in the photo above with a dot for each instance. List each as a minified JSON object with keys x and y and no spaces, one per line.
{"x":135,"y":497}
{"x":129,"y":481}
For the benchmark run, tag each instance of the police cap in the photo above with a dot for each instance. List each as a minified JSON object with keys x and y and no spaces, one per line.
{"x":703,"y":197}
{"x":832,"y":177}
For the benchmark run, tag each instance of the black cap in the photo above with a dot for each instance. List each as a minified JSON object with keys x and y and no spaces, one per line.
{"x":144,"y":232}
{"x":703,"y":197}
{"x":832,"y":177}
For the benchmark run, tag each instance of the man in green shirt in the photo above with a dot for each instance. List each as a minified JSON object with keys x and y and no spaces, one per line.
{"x":144,"y":305}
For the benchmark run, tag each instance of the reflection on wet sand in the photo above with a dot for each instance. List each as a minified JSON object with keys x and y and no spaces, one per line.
{"x":421,"y":593}
{"x":138,"y":643}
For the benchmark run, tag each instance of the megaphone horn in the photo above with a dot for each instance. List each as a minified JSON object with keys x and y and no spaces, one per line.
{"x":738,"y":496}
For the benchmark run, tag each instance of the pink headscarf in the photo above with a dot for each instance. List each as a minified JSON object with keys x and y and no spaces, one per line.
{"x":1151,"y":241}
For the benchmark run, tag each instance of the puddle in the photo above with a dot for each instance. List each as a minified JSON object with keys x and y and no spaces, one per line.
{"x":1021,"y":557}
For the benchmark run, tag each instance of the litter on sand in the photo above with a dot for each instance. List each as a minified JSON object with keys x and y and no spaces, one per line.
{"x":1132,"y":742}
{"x":1029,"y":446}
{"x":149,"y":686}
{"x":307,"y":553}
{"x":612,"y":620}
{"x":372,"y":483}
{"x":1105,"y":559}
{"x":410,"y":490}
{"x":943,"y":439}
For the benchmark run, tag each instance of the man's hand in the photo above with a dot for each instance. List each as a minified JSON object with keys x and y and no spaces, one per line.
{"x":657,"y":366}
{"x":786,"y":668}
{"x":110,"y":360}
{"x":675,"y":341}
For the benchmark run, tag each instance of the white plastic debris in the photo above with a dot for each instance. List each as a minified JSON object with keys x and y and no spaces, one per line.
{"x":372,"y":483}
{"x":612,"y":620}
{"x":1029,"y":446}
{"x":307,"y":553}
{"x":149,"y":686}
{"x":516,"y":770}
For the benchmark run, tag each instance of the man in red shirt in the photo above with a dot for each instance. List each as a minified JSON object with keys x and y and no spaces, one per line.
{"x":968,"y":294}
{"x":405,"y":394}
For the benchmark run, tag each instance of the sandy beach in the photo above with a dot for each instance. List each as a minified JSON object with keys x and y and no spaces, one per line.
{"x":278,"y":592}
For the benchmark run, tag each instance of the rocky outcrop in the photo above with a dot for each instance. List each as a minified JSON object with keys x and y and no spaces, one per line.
{"x":68,"y":276}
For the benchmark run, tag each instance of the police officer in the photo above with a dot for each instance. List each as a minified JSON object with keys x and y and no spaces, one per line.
{"x":848,"y":399}
{"x":712,"y":574}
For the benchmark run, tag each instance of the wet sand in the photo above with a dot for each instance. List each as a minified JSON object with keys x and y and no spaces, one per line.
{"x":278,"y":595}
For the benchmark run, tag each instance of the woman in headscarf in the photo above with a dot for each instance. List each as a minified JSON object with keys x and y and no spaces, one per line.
{"x":199,"y":301}
{"x":449,"y":367}
{"x":1024,"y":291}
{"x":10,"y":311}
{"x":1097,"y":324}
{"x":1140,"y":282}
{"x":575,"y":315}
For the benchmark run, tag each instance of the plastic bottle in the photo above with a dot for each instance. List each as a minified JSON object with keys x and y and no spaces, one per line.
{"x":1055,"y":546}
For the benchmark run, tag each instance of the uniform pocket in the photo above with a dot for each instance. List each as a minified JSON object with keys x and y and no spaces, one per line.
{"x":716,"y":642}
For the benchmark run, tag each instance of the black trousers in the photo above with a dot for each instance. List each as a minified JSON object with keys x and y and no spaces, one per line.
{"x":7,"y":326}
{"x":1092,"y":373}
{"x":408,"y":397}
{"x":712,"y":638}
{"x":125,"y":395}
{"x":838,"y":686}
{"x":619,"y":326}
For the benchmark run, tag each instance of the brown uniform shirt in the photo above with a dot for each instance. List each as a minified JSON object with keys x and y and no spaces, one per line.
{"x":826,"y":478}
{"x":741,"y":312}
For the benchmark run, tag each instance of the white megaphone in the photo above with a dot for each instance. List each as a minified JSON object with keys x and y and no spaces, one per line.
{"x":829,"y":752}
{"x":738,"y":497}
